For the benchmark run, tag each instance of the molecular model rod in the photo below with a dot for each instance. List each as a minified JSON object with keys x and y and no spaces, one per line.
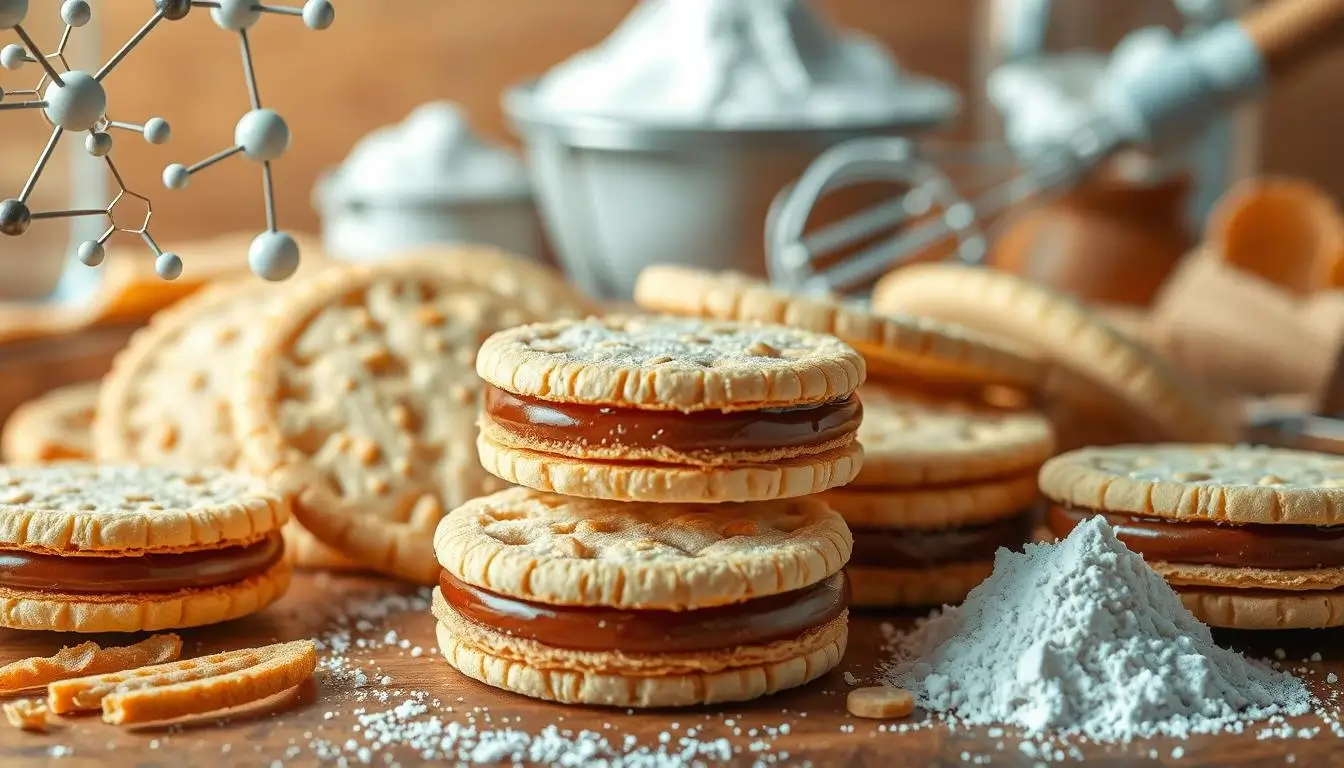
{"x":37,"y":54}
{"x":125,"y":49}
{"x":41,"y":163}
{"x":249,"y":75}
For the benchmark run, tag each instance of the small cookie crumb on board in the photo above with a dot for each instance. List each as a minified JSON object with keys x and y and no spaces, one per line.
{"x":27,"y":714}
{"x":880,"y":702}
{"x":87,"y":658}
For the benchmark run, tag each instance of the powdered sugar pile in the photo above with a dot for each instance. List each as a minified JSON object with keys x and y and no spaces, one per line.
{"x":1082,"y":637}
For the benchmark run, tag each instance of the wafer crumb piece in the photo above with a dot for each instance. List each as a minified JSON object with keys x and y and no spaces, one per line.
{"x":87,"y":659}
{"x":27,"y":714}
{"x":880,"y":703}
{"x":190,"y":687}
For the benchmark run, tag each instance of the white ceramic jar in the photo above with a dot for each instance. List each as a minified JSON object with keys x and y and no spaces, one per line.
{"x":426,"y":180}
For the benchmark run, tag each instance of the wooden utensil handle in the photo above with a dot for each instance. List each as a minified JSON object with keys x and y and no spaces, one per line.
{"x":1288,"y":32}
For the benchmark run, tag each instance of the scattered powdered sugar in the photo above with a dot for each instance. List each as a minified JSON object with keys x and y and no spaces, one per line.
{"x":1083,"y":638}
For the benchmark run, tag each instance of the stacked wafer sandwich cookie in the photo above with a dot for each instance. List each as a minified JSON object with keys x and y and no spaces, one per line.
{"x":1249,"y":537}
{"x":951,"y":441}
{"x":686,"y":562}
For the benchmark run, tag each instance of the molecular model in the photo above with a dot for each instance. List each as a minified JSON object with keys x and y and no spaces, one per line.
{"x":72,"y":100}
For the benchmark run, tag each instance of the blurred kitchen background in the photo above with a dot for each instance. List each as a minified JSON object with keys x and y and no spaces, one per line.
{"x":380,"y":60}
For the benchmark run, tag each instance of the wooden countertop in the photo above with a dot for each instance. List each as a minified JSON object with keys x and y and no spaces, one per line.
{"x":313,"y":725}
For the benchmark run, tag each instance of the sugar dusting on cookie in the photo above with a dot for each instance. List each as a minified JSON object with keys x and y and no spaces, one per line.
{"x":1083,"y":638}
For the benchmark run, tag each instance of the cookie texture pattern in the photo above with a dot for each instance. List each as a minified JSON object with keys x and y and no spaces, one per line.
{"x":169,"y":397}
{"x":1237,"y":484}
{"x":1238,"y":609}
{"x":76,"y":507}
{"x":553,"y":549}
{"x":670,"y":363}
{"x":915,"y":440}
{"x":894,"y":346}
{"x":361,"y":400}
{"x":52,"y":427}
{"x":935,"y":508}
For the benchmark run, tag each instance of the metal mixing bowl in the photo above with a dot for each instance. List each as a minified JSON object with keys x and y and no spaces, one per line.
{"x":617,"y":195}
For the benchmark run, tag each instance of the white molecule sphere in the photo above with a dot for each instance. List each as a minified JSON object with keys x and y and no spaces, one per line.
{"x":157,"y":130}
{"x":168,"y":266}
{"x":318,"y":14}
{"x":12,"y":13}
{"x":263,"y":135}
{"x":176,"y":176}
{"x":13,"y":56}
{"x":234,"y":15}
{"x":77,"y":105}
{"x":90,"y":253}
{"x":14,"y":217}
{"x":76,"y":13}
{"x":273,"y":256}
{"x":98,"y":143}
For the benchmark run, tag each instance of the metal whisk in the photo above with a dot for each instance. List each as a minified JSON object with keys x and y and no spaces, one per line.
{"x":1167,"y":98}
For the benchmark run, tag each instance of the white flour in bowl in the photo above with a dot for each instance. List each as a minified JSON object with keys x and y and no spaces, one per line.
{"x":1083,"y":638}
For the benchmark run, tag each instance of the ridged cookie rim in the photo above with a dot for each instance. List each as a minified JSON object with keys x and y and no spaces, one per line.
{"x":932,"y":509}
{"x":632,"y":691}
{"x":1067,"y":479}
{"x":1107,"y":357}
{"x":1257,"y":611}
{"x":463,"y":550}
{"x":192,"y":607}
{"x":672,"y":483}
{"x":504,"y":361}
{"x":901,"y":342}
{"x":241,"y":521}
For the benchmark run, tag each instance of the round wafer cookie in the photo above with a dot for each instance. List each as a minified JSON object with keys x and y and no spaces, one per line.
{"x":894,"y":346}
{"x":52,"y":427}
{"x":81,"y":513}
{"x":1220,"y":483}
{"x":1094,"y":362}
{"x":566,"y":551}
{"x":362,"y":398}
{"x":935,"y":508}
{"x":1254,"y":609}
{"x":169,"y":397}
{"x":670,"y":363}
{"x":914,"y":440}
{"x":73,"y":507}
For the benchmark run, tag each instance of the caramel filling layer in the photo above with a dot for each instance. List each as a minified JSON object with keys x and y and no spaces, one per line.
{"x":754,"y":622}
{"x":90,"y":575}
{"x":706,"y":431}
{"x":1281,"y":547}
{"x":905,"y":548}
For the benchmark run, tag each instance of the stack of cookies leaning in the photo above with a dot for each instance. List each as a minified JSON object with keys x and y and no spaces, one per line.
{"x":667,"y":546}
{"x":952,"y":442}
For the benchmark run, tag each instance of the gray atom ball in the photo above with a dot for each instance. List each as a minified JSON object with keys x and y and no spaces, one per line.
{"x":76,"y":13}
{"x":176,"y":176}
{"x":12,"y":13}
{"x":14,"y":217}
{"x":98,"y":143}
{"x":13,"y":56}
{"x":157,"y":130}
{"x":318,"y":14}
{"x":91,"y":253}
{"x":235,"y":15}
{"x":263,"y":135}
{"x":168,"y":266}
{"x":273,"y":256}
{"x":79,"y":104}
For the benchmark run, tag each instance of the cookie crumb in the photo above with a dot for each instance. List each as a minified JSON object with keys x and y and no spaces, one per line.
{"x":27,"y":715}
{"x":880,"y":703}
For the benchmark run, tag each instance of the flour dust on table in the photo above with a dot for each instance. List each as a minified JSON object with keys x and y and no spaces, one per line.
{"x":1081,"y":637}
